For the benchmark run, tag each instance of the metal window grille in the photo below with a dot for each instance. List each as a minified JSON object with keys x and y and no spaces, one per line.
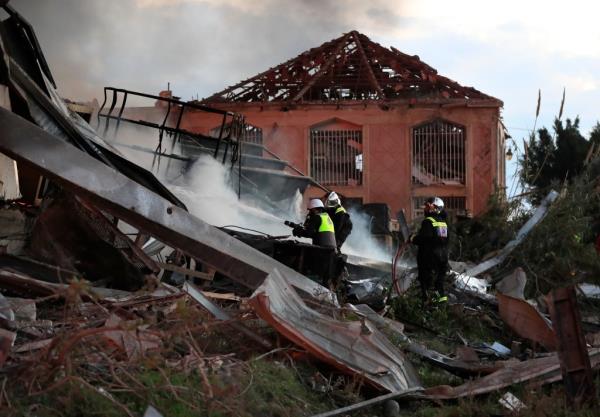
{"x":252,"y":134}
{"x":438,"y":153}
{"x":452,"y":205}
{"x":336,"y":157}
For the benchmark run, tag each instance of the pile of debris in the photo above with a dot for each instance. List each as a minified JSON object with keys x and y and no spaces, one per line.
{"x":89,"y":322}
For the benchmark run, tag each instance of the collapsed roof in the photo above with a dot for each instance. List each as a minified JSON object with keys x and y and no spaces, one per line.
{"x":350,"y":68}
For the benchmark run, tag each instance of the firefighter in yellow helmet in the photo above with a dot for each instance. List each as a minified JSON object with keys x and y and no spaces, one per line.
{"x":317,"y":226}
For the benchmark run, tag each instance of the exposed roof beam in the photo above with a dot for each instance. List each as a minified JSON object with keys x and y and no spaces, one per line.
{"x":323,"y":69}
{"x":366,"y":62}
{"x":259,"y":76}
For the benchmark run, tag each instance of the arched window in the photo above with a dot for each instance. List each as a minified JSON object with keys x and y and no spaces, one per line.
{"x":336,"y":154}
{"x":438,"y":153}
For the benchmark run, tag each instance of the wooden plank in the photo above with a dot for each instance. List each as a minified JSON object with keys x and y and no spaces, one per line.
{"x":185,"y":271}
{"x":221,"y":296}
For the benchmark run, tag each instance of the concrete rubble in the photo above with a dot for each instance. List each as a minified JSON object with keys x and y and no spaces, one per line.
{"x":102,"y":267}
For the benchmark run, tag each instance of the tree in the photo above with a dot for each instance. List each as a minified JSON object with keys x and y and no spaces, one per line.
{"x":595,"y":135}
{"x":548,"y":160}
{"x":571,"y":149}
{"x":537,"y":164}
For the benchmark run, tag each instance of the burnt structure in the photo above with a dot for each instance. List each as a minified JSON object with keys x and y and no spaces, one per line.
{"x":375,"y":124}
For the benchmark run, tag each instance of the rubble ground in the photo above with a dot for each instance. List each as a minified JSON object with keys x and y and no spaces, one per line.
{"x":186,"y":365}
{"x":115,"y":300}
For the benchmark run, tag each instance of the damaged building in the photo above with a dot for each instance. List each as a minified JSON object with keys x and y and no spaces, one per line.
{"x":115,"y":295}
{"x":373,"y":123}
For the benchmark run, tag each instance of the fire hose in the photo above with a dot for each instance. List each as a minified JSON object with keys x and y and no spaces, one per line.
{"x":401,"y":248}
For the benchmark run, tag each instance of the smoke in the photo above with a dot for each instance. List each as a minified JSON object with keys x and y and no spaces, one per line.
{"x":200,"y":46}
{"x":138,"y":143}
{"x":361,"y":242}
{"x":208,"y":193}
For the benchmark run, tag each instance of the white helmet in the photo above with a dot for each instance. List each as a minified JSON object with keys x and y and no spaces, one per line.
{"x":333,"y":200}
{"x":437,"y":202}
{"x":315,"y":203}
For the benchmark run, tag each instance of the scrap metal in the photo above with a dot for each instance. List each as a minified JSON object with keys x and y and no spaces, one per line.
{"x":114,"y":193}
{"x":539,"y":371}
{"x":230,"y":131}
{"x":513,"y":284}
{"x":526,"y":321}
{"x":456,"y":366}
{"x":353,"y":347}
{"x":24,"y":78}
{"x":572,"y":351}
{"x":409,"y":393}
{"x":537,"y":217}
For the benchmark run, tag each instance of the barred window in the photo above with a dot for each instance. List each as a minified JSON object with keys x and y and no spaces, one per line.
{"x":336,"y":156}
{"x":438,"y":153}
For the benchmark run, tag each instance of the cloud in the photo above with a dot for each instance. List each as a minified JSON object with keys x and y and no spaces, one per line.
{"x":579,"y":82}
{"x":200,"y":46}
{"x":543,"y":27}
{"x":508,"y":49}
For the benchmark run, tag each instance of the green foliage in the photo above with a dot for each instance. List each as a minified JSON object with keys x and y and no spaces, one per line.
{"x":548,"y":160}
{"x":260,"y":387}
{"x":437,"y":327}
{"x":595,"y":134}
{"x":561,"y":248}
{"x":474,"y":238}
{"x":432,"y":376}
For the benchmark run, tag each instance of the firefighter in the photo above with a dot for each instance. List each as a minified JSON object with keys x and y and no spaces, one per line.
{"x":432,"y":256}
{"x":317,"y":226}
{"x":340,"y":217}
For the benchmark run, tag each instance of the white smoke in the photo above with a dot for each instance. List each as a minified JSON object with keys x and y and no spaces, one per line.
{"x":361,"y":242}
{"x":209,"y":195}
{"x":207,"y":191}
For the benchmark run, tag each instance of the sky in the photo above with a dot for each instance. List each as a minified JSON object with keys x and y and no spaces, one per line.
{"x":509,"y":49}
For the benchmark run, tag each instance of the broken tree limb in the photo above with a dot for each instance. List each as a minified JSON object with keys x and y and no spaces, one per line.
{"x":25,"y":285}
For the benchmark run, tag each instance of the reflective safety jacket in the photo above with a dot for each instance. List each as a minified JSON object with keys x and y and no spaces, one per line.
{"x":432,"y":240}
{"x":341,"y":223}
{"x":319,"y":227}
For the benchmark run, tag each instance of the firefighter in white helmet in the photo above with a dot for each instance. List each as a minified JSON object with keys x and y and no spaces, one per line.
{"x":432,"y":256}
{"x":340,"y":217}
{"x":317,"y":226}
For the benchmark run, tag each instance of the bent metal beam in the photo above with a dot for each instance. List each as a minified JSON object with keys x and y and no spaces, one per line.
{"x":116,"y":194}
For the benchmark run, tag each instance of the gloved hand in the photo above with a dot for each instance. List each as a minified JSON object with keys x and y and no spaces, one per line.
{"x":297,"y":231}
{"x":411,"y":237}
